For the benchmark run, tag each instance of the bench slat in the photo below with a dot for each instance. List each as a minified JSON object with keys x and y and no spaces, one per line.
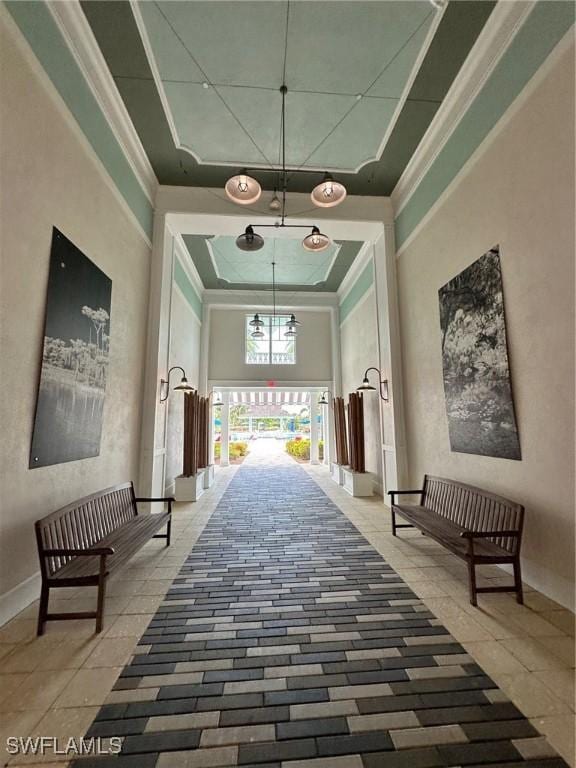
{"x":108,"y":518}
{"x":448,"y":509}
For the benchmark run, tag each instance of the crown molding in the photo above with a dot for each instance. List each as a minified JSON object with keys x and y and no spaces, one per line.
{"x":80,"y":39}
{"x":562,"y":47}
{"x":499,"y":31}
{"x":217,"y":298}
{"x":40,"y":73}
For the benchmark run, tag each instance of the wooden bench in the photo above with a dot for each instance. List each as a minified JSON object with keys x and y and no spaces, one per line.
{"x":473,"y":524}
{"x":84,"y":542}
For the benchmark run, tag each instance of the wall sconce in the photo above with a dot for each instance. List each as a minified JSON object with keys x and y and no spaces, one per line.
{"x":323,"y":399}
{"x":182,"y":387}
{"x":367,"y":387}
{"x":218,"y":400}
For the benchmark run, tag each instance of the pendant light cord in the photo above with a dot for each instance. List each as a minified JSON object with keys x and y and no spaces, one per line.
{"x":283,"y":91}
{"x":274,"y":290}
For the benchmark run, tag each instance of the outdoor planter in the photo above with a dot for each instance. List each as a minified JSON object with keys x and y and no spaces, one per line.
{"x":189,"y":488}
{"x":208,"y":475}
{"x":357,"y":483}
{"x":337,"y":473}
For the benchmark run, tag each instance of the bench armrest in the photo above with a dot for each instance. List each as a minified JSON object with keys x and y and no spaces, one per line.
{"x":393,"y":494}
{"x":92,"y":552}
{"x":488,"y":534}
{"x":399,"y":493}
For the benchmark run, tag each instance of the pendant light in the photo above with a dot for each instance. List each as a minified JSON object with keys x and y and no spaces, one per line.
{"x":291,"y":327}
{"x":257,"y":324}
{"x":275,"y":204}
{"x":328,"y":193}
{"x":243,"y":189}
{"x":292,"y":323}
{"x":250,"y":240}
{"x":316,"y":241}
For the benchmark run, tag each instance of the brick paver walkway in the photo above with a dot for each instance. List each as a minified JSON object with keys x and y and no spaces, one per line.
{"x":287,"y":641}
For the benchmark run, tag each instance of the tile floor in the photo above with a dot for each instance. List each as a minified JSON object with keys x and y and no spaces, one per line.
{"x":57,"y":684}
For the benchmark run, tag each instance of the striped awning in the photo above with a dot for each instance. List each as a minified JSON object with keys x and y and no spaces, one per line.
{"x":270,"y":397}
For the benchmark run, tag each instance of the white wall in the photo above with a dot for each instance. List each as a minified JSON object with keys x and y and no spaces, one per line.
{"x":520,"y":194}
{"x":184,"y":351}
{"x":50,"y":178}
{"x":359,"y":345}
{"x":227,"y":350}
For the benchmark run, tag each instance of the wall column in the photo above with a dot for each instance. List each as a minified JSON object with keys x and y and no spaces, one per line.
{"x":225,"y":431}
{"x":154,"y":413}
{"x":314,"y":428}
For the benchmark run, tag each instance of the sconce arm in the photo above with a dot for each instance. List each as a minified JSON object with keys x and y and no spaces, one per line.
{"x":166,"y":382}
{"x":384,"y":395}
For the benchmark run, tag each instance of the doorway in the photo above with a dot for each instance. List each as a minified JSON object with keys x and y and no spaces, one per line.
{"x":269,"y":422}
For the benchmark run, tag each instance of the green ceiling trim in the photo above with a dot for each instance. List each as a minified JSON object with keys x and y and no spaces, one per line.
{"x":544,"y":28}
{"x":41,"y":31}
{"x":364,"y":282}
{"x":200,"y":255}
{"x":293,"y":263}
{"x":183,"y":282}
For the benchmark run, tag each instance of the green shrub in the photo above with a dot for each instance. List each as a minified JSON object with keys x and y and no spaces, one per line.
{"x":236,"y":450}
{"x":300,"y":449}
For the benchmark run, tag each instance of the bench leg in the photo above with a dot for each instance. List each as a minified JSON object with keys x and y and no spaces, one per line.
{"x":101,"y":595}
{"x":168,"y":532}
{"x":472,"y":582}
{"x":43,"y":608}
{"x":393,"y":521}
{"x":518,"y":582}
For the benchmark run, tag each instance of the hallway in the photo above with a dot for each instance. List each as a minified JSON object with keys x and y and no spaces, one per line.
{"x":287,"y":640}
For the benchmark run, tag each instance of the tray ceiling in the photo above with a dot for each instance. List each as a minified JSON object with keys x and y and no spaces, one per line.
{"x":220,"y":264}
{"x":401,"y":57}
{"x":218,"y":68}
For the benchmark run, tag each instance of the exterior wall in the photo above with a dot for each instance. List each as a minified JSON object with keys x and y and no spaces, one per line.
{"x":519,"y":193}
{"x":359,"y":345}
{"x":227,"y":350}
{"x":185,"y":330}
{"x":51,"y":178}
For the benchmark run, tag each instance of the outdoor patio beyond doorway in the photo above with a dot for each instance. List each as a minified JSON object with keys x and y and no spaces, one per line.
{"x":268,"y":423}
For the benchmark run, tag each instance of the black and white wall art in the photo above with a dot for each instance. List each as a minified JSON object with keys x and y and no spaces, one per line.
{"x":69,"y":408}
{"x":479,"y":403}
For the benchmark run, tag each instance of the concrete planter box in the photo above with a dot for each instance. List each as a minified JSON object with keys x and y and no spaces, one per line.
{"x":189,"y":488}
{"x":337,"y":473}
{"x":208,"y":476}
{"x":358,"y":483}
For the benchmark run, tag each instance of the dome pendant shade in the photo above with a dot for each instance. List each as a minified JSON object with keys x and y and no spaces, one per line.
{"x":183,"y":386}
{"x":328,"y":193}
{"x":250,"y":240}
{"x":257,"y":334}
{"x":292,"y":323}
{"x":316,"y":241}
{"x":290,"y":333}
{"x":243,"y":189}
{"x":365,"y":386}
{"x":256,"y":322}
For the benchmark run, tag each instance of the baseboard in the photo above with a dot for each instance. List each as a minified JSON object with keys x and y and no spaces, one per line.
{"x":15,"y":600}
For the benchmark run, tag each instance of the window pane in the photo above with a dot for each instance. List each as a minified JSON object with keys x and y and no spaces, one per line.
{"x":273,"y":348}
{"x":257,"y":350}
